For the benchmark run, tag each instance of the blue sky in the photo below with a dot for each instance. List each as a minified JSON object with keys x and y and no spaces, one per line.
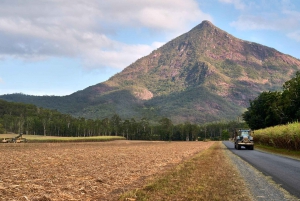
{"x":52,"y":47}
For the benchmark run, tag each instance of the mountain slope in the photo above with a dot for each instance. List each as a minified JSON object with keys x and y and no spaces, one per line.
{"x":203,"y":75}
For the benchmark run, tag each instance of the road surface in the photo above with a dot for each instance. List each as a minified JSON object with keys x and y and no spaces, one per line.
{"x":284,"y":171}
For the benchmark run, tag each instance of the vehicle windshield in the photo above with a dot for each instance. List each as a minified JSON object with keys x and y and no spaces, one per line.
{"x":245,"y":133}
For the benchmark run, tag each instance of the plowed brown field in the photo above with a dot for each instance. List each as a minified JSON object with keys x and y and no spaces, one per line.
{"x":85,"y":171}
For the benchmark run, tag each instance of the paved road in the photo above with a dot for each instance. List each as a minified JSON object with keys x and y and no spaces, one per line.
{"x":284,"y":171}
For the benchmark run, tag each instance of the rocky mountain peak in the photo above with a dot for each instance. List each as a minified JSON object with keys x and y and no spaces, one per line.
{"x":203,"y":75}
{"x":205,"y":23}
{"x":205,"y":26}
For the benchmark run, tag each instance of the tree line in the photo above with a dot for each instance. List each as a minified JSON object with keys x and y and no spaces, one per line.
{"x":30,"y":119}
{"x":275,"y":108}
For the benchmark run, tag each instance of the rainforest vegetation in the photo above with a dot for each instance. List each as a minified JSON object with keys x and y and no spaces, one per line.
{"x":275,"y":108}
{"x":268,"y":109}
{"x":30,"y":119}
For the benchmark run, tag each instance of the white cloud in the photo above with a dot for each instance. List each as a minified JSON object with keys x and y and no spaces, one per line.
{"x":295,"y":35}
{"x":237,"y":3}
{"x":85,"y":29}
{"x":153,"y":14}
{"x":119,"y":57}
{"x":264,"y":22}
{"x":1,"y":81}
{"x":280,"y":18}
{"x":292,"y":13}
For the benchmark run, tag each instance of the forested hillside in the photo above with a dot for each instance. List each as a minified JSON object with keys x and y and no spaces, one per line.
{"x":277,"y":107}
{"x":204,"y":75}
{"x":30,"y":119}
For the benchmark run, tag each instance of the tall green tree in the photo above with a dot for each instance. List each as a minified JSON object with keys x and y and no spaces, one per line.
{"x":45,"y":116}
{"x":126,"y":128}
{"x":1,"y":128}
{"x":106,"y":125}
{"x":188,"y":130}
{"x":116,"y":123}
{"x":291,"y":98}
{"x":264,"y":111}
{"x":166,"y":129}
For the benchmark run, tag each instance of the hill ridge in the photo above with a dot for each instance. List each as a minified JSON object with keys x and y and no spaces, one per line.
{"x":203,"y":75}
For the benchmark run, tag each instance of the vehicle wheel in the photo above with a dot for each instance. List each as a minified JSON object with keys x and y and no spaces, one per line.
{"x":239,"y":147}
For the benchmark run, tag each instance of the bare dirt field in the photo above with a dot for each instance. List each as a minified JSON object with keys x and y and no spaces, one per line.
{"x":85,"y":171}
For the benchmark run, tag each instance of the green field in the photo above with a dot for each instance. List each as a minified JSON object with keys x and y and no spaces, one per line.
{"x":41,"y":138}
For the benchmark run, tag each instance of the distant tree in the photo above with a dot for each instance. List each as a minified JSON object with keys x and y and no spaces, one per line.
{"x":126,"y":128}
{"x":115,"y":123}
{"x":106,"y":126}
{"x":225,"y":135}
{"x":291,"y":98}
{"x":166,"y":129}
{"x":29,"y":124}
{"x":45,"y":116}
{"x":145,"y":129}
{"x":133,"y":129}
{"x":194,"y":131}
{"x":264,"y":111}
{"x":273,"y":108}
{"x":2,"y":130}
{"x":188,"y":130}
{"x":178,"y":132}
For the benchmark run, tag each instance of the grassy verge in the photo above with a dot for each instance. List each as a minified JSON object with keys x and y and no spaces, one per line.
{"x":284,"y":152}
{"x":40,"y":138}
{"x":207,"y":176}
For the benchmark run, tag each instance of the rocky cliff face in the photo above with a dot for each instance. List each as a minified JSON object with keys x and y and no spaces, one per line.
{"x":203,"y":75}
{"x":206,"y":56}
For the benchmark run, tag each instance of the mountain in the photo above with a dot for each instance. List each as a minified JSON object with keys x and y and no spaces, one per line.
{"x":201,"y":76}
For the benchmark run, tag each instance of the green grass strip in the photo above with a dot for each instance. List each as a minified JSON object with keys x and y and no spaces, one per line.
{"x":279,"y":151}
{"x":50,"y":139}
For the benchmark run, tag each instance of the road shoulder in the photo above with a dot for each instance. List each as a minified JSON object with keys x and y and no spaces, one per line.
{"x":260,"y":186}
